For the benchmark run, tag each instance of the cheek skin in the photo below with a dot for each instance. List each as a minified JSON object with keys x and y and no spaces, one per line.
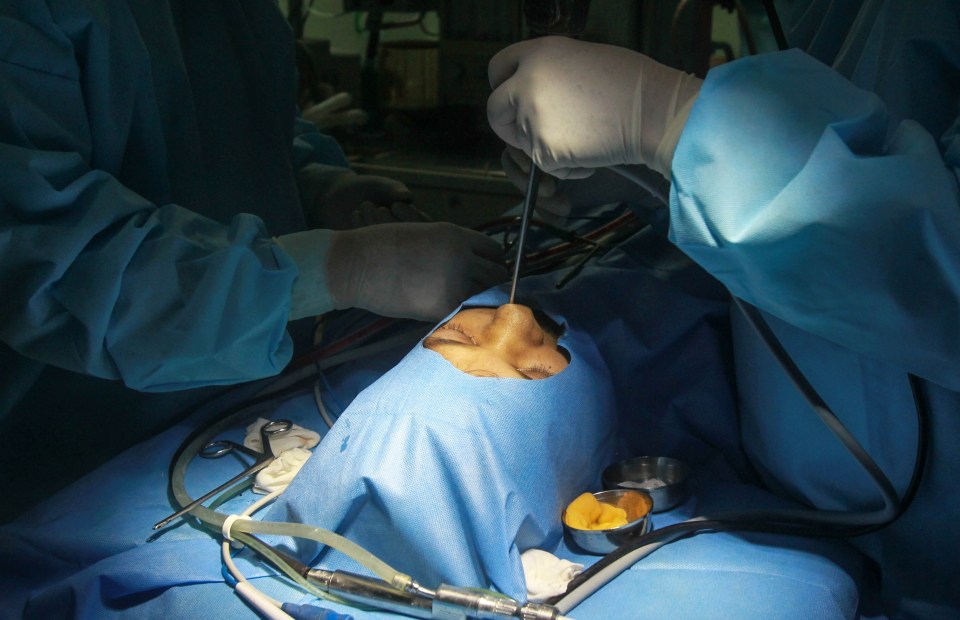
{"x":474,"y":361}
{"x":485,"y":342}
{"x":479,"y":361}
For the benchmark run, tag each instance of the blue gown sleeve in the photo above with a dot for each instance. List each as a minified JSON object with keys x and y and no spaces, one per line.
{"x":310,"y":146}
{"x":97,"y":279}
{"x":806,"y":197}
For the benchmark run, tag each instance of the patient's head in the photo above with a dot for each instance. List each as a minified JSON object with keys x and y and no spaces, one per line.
{"x":508,"y":341}
{"x":450,"y":477}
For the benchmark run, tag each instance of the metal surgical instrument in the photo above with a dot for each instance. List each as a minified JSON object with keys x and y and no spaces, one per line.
{"x":216,"y":449}
{"x":445,"y":603}
{"x":529,"y":202}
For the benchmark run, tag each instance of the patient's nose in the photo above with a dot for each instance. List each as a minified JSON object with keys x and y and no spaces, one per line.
{"x":515,"y":324}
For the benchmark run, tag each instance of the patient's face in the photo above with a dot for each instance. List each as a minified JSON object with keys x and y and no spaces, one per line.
{"x":499,"y":342}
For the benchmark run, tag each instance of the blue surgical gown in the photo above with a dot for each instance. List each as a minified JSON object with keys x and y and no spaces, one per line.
{"x":149,"y":152}
{"x":822,"y":187}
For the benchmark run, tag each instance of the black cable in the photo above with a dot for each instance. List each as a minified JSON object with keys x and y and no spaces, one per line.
{"x":923,"y":423}
{"x":775,"y":25}
{"x":798,"y":527}
{"x":686,"y":529}
{"x":816,"y":402}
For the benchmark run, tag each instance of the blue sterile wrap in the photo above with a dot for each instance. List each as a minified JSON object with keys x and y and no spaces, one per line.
{"x":88,"y":552}
{"x":449,"y":477}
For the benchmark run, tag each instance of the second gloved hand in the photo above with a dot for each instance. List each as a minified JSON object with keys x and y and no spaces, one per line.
{"x":412,"y":270}
{"x":417,"y":271}
{"x":335,"y":111}
{"x":574,"y":106}
{"x":340,"y":199}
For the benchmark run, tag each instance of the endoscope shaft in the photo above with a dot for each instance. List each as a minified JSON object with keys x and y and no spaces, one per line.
{"x":529,"y":202}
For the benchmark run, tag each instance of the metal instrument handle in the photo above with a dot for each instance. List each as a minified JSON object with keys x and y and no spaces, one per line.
{"x":221,"y":447}
{"x":529,"y":201}
{"x":273,"y":428}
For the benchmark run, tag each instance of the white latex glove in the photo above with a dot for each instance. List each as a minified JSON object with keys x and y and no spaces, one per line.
{"x":408,"y":270}
{"x":343,"y":200}
{"x":335,"y":111}
{"x":575,"y":106}
{"x":412,"y":270}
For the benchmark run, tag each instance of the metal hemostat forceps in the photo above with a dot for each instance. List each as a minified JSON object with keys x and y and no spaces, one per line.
{"x":216,"y":449}
{"x":529,"y":202}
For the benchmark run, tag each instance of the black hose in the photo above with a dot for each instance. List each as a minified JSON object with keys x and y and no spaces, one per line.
{"x":775,"y":25}
{"x":798,"y":523}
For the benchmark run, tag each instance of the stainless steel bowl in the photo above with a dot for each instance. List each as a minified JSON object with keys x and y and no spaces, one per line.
{"x":663,"y":478}
{"x":637,"y":505}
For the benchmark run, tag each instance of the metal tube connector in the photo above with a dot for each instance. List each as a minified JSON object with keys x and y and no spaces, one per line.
{"x":453,"y":603}
{"x":371,"y":592}
{"x":446,"y":603}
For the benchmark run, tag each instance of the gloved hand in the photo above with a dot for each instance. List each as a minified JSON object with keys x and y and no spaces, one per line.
{"x":557,"y":199}
{"x":575,"y":106}
{"x":370,"y":213}
{"x":341,"y":199}
{"x":335,"y":111}
{"x":408,"y":270}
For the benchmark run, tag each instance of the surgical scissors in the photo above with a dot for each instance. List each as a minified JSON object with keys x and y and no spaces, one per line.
{"x":220,"y":447}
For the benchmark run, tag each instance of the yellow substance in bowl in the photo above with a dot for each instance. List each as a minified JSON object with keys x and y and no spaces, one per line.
{"x":586,"y":513}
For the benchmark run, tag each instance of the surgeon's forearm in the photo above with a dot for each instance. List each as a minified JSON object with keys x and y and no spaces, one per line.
{"x":787,"y":189}
{"x":100,"y":281}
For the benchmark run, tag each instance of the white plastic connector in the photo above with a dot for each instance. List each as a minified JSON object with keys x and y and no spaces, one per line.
{"x":228,"y":525}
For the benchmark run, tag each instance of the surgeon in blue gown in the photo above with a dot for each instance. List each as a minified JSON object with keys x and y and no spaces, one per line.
{"x":819,"y":184}
{"x":153,"y":188}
